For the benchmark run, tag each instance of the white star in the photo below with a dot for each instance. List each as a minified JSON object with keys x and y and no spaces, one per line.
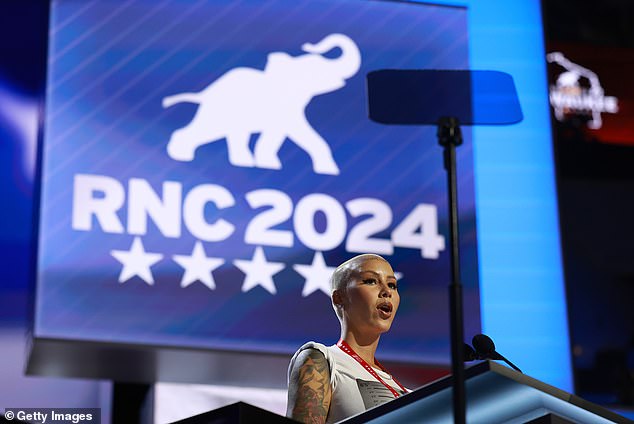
{"x":136,"y":262}
{"x":198,"y":267}
{"x":317,"y":275}
{"x":258,"y":271}
{"x":398,"y":275}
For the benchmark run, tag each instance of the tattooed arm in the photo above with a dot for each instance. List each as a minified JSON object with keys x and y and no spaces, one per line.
{"x":309,"y":390}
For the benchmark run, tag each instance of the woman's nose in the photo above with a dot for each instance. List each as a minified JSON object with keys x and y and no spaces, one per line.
{"x":385,"y":291}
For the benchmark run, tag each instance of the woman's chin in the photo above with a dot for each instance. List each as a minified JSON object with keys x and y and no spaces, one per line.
{"x":375,"y":325}
{"x":384,"y":326}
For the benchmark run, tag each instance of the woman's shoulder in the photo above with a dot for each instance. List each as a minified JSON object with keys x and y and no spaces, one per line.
{"x":312,"y":347}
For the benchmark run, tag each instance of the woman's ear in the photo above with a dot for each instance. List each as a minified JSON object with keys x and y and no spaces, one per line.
{"x":337,"y":298}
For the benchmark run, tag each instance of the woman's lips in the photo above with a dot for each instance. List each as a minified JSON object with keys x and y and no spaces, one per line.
{"x":385,"y":309}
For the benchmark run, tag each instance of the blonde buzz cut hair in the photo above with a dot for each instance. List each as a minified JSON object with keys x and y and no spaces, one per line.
{"x":343,"y":273}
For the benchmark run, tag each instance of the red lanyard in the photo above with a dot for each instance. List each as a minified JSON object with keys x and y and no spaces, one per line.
{"x":346,"y":348}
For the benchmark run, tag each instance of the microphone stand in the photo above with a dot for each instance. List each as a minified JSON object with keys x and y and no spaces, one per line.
{"x":449,"y":136}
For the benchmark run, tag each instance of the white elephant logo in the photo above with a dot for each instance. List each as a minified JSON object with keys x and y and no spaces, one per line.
{"x":271,"y":102}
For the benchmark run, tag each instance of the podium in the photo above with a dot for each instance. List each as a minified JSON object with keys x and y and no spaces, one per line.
{"x":495,"y":394}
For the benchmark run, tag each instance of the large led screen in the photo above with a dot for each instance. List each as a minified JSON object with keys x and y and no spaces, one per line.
{"x":206,"y":165}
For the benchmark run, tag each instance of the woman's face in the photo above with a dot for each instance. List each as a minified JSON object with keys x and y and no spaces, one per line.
{"x":371,"y":297}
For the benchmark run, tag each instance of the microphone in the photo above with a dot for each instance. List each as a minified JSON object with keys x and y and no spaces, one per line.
{"x":469,"y":353}
{"x":485,"y":349}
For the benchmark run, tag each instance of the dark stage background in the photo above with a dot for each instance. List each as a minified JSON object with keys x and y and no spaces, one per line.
{"x":595,"y":177}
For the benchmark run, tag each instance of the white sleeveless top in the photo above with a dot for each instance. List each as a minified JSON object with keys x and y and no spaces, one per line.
{"x":354,"y":389}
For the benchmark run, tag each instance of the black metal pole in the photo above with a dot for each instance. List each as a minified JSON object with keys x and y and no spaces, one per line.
{"x":450,"y":136}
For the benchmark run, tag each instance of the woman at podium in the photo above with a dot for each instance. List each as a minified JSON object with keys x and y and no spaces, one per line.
{"x":327,"y":384}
